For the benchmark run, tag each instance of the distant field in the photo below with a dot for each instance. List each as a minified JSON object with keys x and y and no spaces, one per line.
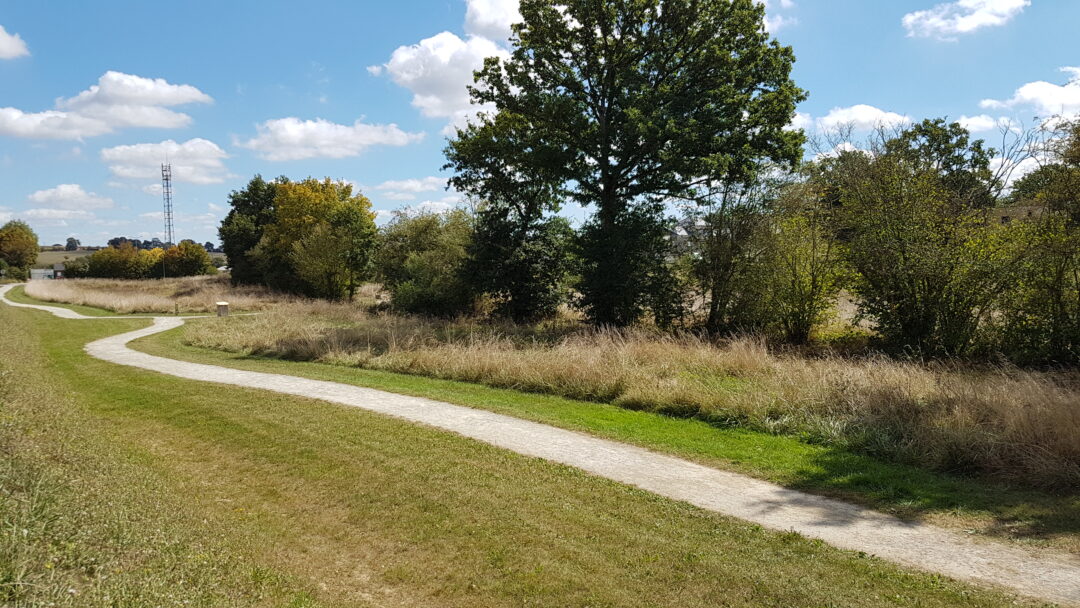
{"x":47,"y":258}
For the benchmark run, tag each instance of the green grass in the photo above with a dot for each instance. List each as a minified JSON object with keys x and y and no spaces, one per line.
{"x":982,"y":507}
{"x":89,"y":520}
{"x":906,"y":491}
{"x":319,"y":502}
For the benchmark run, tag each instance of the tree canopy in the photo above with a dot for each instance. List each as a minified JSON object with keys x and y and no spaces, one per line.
{"x":626,"y":103}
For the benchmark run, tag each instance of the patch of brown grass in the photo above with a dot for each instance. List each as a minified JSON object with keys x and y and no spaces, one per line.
{"x":187,"y":294}
{"x":1004,"y":422}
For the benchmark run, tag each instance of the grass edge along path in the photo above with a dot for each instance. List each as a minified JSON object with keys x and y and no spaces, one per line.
{"x":1047,"y":575}
{"x":975,"y":506}
{"x":479,"y":549}
{"x":909,"y":492}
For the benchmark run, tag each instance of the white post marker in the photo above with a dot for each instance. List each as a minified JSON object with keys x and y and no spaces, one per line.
{"x":222,"y":309}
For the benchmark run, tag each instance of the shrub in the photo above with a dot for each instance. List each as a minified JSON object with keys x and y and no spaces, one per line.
{"x":420,"y":260}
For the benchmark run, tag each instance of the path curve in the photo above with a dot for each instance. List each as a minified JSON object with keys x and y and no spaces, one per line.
{"x":1048,"y":576}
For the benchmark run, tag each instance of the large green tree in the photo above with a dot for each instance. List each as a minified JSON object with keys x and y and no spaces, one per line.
{"x":251,"y":210}
{"x":519,"y":253}
{"x":633,"y":102}
{"x":18,"y":247}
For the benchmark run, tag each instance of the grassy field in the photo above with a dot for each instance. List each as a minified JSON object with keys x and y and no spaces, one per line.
{"x":273,"y":500}
{"x":168,"y":296}
{"x":159,"y":296}
{"x":998,"y":422}
{"x":46,"y":259}
{"x":977,"y":505}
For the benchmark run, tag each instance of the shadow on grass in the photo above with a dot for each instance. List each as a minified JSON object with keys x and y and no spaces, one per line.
{"x":996,"y":509}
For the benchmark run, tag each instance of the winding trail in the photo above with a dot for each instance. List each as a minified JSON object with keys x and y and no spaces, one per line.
{"x":1048,"y":576}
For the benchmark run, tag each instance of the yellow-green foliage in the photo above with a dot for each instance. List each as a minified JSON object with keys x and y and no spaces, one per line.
{"x":320,"y":239}
{"x":18,"y":246}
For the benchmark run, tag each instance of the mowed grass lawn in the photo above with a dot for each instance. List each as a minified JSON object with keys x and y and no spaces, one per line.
{"x":172,"y":490}
{"x":974,"y":505}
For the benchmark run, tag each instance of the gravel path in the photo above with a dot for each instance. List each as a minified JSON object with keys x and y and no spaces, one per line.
{"x":1046,"y":575}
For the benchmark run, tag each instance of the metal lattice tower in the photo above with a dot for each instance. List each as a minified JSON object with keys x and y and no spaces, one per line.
{"x":166,"y":194}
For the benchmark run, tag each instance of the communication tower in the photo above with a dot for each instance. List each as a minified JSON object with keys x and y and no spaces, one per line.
{"x":166,"y":195}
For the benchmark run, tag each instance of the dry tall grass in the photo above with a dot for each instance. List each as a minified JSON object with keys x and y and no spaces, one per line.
{"x":188,"y":294}
{"x":1004,"y":422}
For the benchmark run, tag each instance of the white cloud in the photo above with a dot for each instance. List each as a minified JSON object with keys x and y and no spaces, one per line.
{"x":838,"y":149}
{"x":862,"y":117}
{"x":425,"y":184}
{"x":12,"y":45}
{"x":985,"y":122}
{"x":1012,"y":170}
{"x":126,"y":100}
{"x":295,"y":139}
{"x":775,"y":21}
{"x":50,"y":124}
{"x":70,"y":196}
{"x":946,"y":21}
{"x":802,"y":120}
{"x":57,"y":214}
{"x":491,"y":19}
{"x":437,"y":206}
{"x":5,"y":215}
{"x":1046,"y":98}
{"x":196,"y":161}
{"x":117,"y":101}
{"x":437,"y":71}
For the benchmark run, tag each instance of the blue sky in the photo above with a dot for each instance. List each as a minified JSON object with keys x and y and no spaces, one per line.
{"x":93,"y":95}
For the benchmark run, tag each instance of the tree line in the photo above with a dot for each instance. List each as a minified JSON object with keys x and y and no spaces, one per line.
{"x":640,"y":110}
{"x":123,"y":259}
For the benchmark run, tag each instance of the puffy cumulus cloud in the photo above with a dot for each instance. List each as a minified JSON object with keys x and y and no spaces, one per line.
{"x":295,"y":139}
{"x":58,"y":215}
{"x":12,"y":46}
{"x":985,"y":122}
{"x":424,"y":184}
{"x":70,"y":196}
{"x":948,"y":20}
{"x":802,"y":120}
{"x":437,"y":71}
{"x":117,"y":101}
{"x":861,"y":117}
{"x":491,"y":19}
{"x":1046,"y":98}
{"x":408,"y":189}
{"x":126,"y":100}
{"x":774,"y":18}
{"x":50,"y":124}
{"x":5,"y":215}
{"x":196,"y":161}
{"x":436,"y":206}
